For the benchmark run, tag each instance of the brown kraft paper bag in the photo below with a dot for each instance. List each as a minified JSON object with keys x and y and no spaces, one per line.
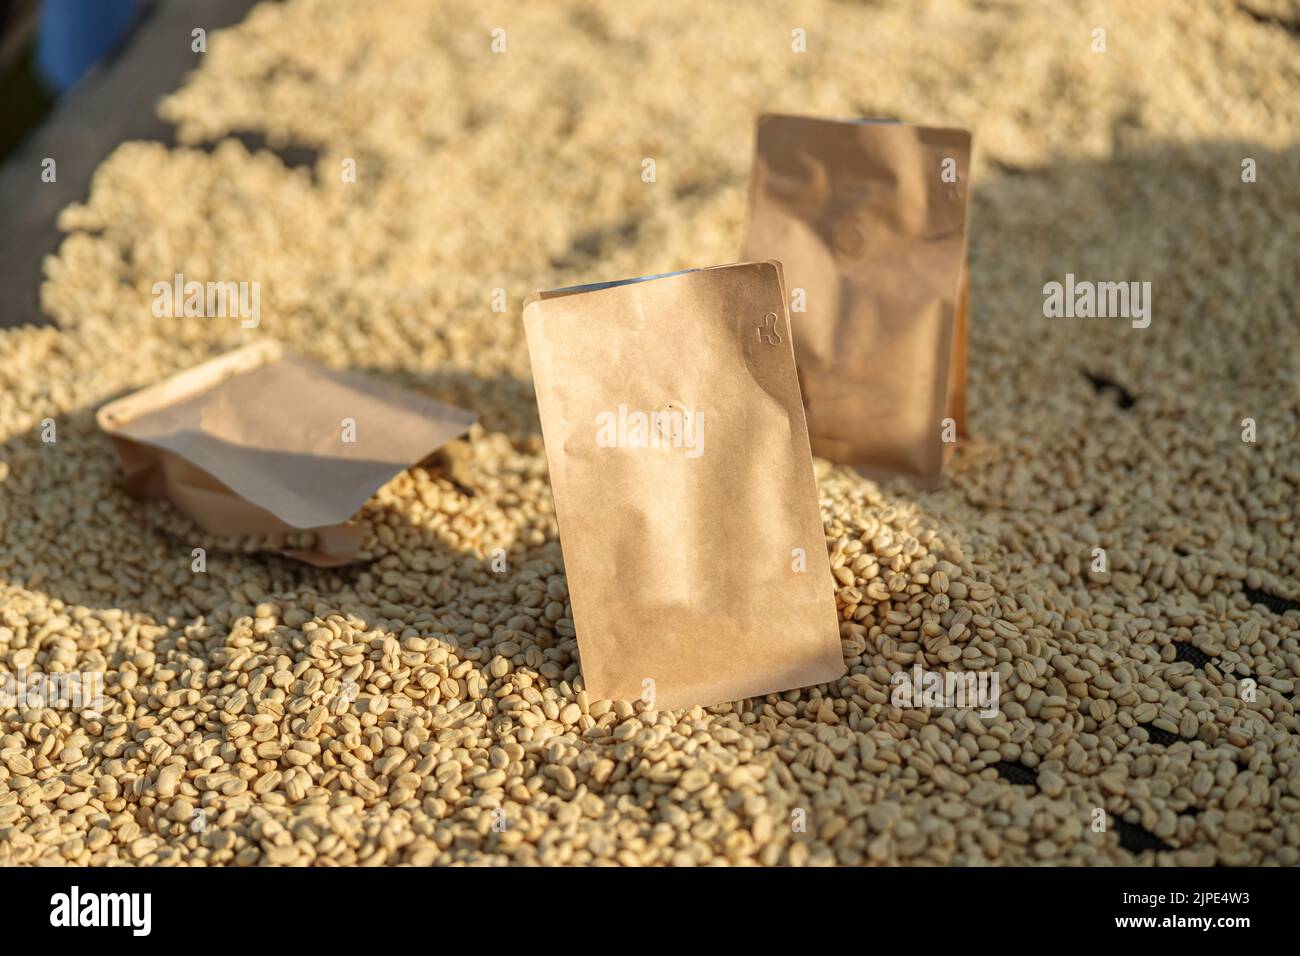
{"x":255,"y":443}
{"x":684,"y":489}
{"x":865,"y":221}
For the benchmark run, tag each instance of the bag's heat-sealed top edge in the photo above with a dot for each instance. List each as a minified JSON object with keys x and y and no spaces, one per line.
{"x":597,"y":286}
{"x":855,"y":123}
{"x":116,"y":415}
{"x":548,"y":294}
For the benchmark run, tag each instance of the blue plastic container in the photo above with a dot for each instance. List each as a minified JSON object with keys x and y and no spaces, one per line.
{"x":77,"y":34}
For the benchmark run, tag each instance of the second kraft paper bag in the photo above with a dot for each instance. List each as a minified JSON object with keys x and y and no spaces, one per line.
{"x":869,"y":221}
{"x":260,"y":442}
{"x":684,"y":488}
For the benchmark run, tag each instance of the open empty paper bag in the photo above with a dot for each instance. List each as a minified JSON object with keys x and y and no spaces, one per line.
{"x":869,"y":221}
{"x":684,"y":489}
{"x":261,"y":442}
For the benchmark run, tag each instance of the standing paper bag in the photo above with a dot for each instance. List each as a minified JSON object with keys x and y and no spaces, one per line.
{"x":684,"y":489}
{"x":869,"y":221}
{"x":258,"y":442}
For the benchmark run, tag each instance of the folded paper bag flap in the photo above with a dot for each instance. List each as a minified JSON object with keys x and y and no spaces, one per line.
{"x":212,"y":505}
{"x":218,"y":510}
{"x":113,"y":415}
{"x":307,"y":444}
